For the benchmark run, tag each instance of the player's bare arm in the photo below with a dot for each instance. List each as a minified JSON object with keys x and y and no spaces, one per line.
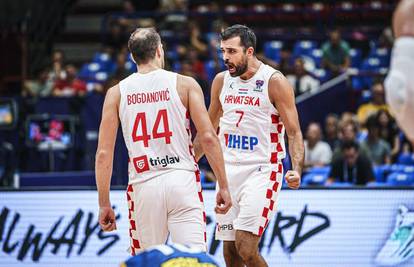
{"x":215,"y":111}
{"x":104,"y":157}
{"x":282,"y":96}
{"x":208,"y":140}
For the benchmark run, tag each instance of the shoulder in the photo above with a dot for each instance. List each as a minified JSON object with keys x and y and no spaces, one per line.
{"x":219,"y":78}
{"x":278,"y":80}
{"x":186,"y":81}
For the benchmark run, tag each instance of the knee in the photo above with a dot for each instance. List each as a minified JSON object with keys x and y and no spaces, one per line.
{"x":246,"y":251}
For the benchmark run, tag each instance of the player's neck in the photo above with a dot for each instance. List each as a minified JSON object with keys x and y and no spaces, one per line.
{"x":148,"y":67}
{"x":252,"y":67}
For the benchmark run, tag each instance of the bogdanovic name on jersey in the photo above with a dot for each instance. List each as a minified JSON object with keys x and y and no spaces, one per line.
{"x":150,"y":97}
{"x":242,"y":100}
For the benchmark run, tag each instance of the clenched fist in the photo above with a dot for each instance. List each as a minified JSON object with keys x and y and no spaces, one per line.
{"x":293,"y":179}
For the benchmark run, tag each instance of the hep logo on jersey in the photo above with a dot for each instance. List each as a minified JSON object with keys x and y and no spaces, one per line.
{"x":241,"y":141}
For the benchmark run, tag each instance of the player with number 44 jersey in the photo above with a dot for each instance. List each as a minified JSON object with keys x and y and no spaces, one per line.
{"x":154,"y":107}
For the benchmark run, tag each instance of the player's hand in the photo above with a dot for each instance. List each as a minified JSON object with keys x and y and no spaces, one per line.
{"x":293,"y":179}
{"x":107,"y":219}
{"x":223,"y":201}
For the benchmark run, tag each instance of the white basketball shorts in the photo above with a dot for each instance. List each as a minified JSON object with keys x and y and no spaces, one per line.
{"x":254,"y":191}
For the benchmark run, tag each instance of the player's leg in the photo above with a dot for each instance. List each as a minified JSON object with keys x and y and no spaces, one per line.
{"x":247,"y":247}
{"x":147,"y":215}
{"x":258,"y":200}
{"x":186,"y":215}
{"x":231,"y":256}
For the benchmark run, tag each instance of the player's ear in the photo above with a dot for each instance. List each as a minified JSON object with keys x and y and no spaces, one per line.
{"x":159,"y":51}
{"x":250,"y":51}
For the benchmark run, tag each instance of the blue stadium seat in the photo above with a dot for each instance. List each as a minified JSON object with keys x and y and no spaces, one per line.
{"x":400,"y":179}
{"x":380,"y":172}
{"x":383,"y":54}
{"x":303,"y":47}
{"x":356,"y":57}
{"x":406,"y":159}
{"x":104,"y":60}
{"x":312,"y":178}
{"x":321,"y":74}
{"x":272,"y":50}
{"x":316,"y":54}
{"x":316,"y":175}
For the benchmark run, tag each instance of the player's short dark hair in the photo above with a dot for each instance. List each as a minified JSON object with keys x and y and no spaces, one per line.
{"x":247,"y":36}
{"x":348,"y":144}
{"x":143,"y":44}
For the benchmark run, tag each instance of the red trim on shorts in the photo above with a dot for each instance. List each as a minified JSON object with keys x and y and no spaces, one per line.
{"x":132,"y":223}
{"x":269,"y":194}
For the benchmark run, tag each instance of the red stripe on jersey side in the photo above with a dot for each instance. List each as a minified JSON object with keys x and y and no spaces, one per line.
{"x":275,"y":118}
{"x":273,"y":157}
{"x":274,"y":137}
{"x":279,"y":128}
{"x":200,"y":196}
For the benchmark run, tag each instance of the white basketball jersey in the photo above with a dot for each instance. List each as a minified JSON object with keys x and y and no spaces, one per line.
{"x":251,"y":131}
{"x":155,"y":125}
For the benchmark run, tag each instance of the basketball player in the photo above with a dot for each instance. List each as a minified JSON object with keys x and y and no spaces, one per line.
{"x":154,"y":107}
{"x":252,"y":105}
{"x":399,"y":84}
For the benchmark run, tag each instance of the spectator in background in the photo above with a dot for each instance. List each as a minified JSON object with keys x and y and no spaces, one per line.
{"x":353,"y":167}
{"x":40,"y":87}
{"x":70,"y":85}
{"x":377,"y":103}
{"x":331,"y":130}
{"x":336,"y":57}
{"x":317,"y":152}
{"x":388,"y":131}
{"x":348,"y":132}
{"x":194,"y":59}
{"x":197,"y":41}
{"x":378,"y":150}
{"x":115,"y":38}
{"x":300,"y":80}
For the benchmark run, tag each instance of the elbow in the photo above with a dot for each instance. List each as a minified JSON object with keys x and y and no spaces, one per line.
{"x":102,"y":156}
{"x":209,"y":139}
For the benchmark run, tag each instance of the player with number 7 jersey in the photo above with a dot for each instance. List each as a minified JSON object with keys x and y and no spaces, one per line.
{"x":154,"y":107}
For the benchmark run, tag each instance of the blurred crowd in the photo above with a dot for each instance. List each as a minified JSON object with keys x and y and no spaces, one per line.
{"x":348,"y":145}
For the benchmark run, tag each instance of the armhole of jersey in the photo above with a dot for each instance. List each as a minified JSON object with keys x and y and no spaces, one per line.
{"x":121,"y":98}
{"x":222,"y":90}
{"x":273,"y":106}
{"x":177,"y":98}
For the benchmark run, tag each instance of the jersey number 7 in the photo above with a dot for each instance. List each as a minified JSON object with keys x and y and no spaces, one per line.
{"x":156,"y":132}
